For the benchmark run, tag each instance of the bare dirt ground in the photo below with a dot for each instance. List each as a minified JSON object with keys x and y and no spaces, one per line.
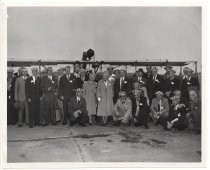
{"x":101,"y":144}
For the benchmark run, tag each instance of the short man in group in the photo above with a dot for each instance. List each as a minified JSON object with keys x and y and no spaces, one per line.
{"x":67,"y":88}
{"x":77,"y":109}
{"x":159,"y":108}
{"x":34,"y":96}
{"x":49,"y":87}
{"x":122,"y":109}
{"x":20,"y":97}
{"x":122,"y":84}
{"x":140,"y":109}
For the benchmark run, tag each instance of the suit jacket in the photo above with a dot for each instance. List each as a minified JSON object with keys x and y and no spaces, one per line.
{"x":143,"y":81}
{"x":155,"y":106}
{"x":179,"y":113}
{"x":171,"y":84}
{"x":45,"y":84}
{"x":126,"y":86}
{"x":67,"y":87}
{"x":143,"y":106}
{"x":157,"y":85}
{"x":33,"y":89}
{"x":20,"y":92}
{"x":74,"y":105}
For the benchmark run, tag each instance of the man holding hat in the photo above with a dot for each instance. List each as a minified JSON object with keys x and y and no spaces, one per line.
{"x":77,"y":109}
{"x":34,"y":96}
{"x":49,"y":87}
{"x":122,"y":109}
{"x":159,"y":107}
{"x":20,"y":97}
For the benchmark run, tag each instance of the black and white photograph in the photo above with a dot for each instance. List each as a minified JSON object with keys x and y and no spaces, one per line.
{"x":112,"y":84}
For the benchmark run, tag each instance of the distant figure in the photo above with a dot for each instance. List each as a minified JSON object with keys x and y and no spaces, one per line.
{"x":20,"y":97}
{"x":77,"y":110}
{"x":105,"y":97}
{"x":122,"y":110}
{"x":34,"y":96}
{"x":122,"y":84}
{"x":140,"y":109}
{"x":81,"y":79}
{"x":67,"y":88}
{"x":49,"y":87}
{"x":90,"y":87}
{"x":111,"y":73}
{"x":139,"y":78}
{"x":159,"y":107}
{"x":194,"y":113}
{"x":148,"y":77}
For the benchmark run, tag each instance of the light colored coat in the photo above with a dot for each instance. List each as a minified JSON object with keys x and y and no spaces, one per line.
{"x":105,"y":106}
{"x":20,"y":92}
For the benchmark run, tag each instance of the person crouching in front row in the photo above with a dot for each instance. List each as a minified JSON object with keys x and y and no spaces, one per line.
{"x":159,"y":108}
{"x":140,"y":109}
{"x":177,"y":115}
{"x":77,"y":109}
{"x":122,"y":110}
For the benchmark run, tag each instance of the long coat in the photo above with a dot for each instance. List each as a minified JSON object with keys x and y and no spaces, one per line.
{"x":90,"y":96}
{"x":20,"y":92}
{"x":105,"y":106}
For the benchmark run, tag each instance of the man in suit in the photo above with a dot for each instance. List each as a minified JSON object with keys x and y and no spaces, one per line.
{"x":139,"y":78}
{"x":20,"y":97}
{"x":140,"y":110}
{"x":159,"y":107}
{"x":34,"y":96}
{"x":77,"y":109}
{"x":67,"y":87}
{"x":148,"y":77}
{"x":49,"y":87}
{"x":122,"y":84}
{"x":81,"y":79}
{"x":157,"y":82}
{"x":171,"y":84}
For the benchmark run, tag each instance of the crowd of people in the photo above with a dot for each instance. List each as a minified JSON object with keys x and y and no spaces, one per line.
{"x":82,"y":97}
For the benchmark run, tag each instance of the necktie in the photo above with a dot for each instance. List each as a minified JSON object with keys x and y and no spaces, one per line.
{"x":78,"y":102}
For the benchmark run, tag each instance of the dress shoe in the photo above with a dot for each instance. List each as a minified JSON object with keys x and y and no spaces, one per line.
{"x":19,"y":125}
{"x":146,"y":126}
{"x":82,"y":124}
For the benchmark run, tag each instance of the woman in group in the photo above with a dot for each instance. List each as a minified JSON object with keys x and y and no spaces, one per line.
{"x":105,"y":97}
{"x":90,"y":96}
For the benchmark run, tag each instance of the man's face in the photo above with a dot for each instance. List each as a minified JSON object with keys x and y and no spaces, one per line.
{"x":110,"y":70}
{"x":50,"y":72}
{"x":158,"y":96}
{"x":79,"y":93}
{"x":122,"y":73}
{"x":77,"y":69}
{"x":60,"y":72}
{"x":193,"y":96}
{"x":105,"y":77}
{"x":67,"y":70}
{"x":175,"y":101}
{"x":83,"y":74}
{"x":123,"y":98}
{"x":35,"y":73}
{"x":24,"y":72}
{"x":189,"y":74}
{"x":154,"y":72}
{"x":172,"y":74}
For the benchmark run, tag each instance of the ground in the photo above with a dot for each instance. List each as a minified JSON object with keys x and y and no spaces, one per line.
{"x":101,"y":144}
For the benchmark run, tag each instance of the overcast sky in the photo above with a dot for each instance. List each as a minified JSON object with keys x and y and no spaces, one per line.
{"x":115,"y":33}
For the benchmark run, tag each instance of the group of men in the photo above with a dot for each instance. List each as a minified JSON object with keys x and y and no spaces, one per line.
{"x":49,"y":98}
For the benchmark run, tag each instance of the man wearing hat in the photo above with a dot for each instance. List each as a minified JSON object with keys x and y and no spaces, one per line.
{"x":67,"y":87}
{"x":159,"y":107}
{"x":77,"y":109}
{"x":139,"y":78}
{"x":20,"y":97}
{"x":34,"y":96}
{"x":122,"y":109}
{"x":122,"y":84}
{"x":49,"y":87}
{"x":157,"y":82}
